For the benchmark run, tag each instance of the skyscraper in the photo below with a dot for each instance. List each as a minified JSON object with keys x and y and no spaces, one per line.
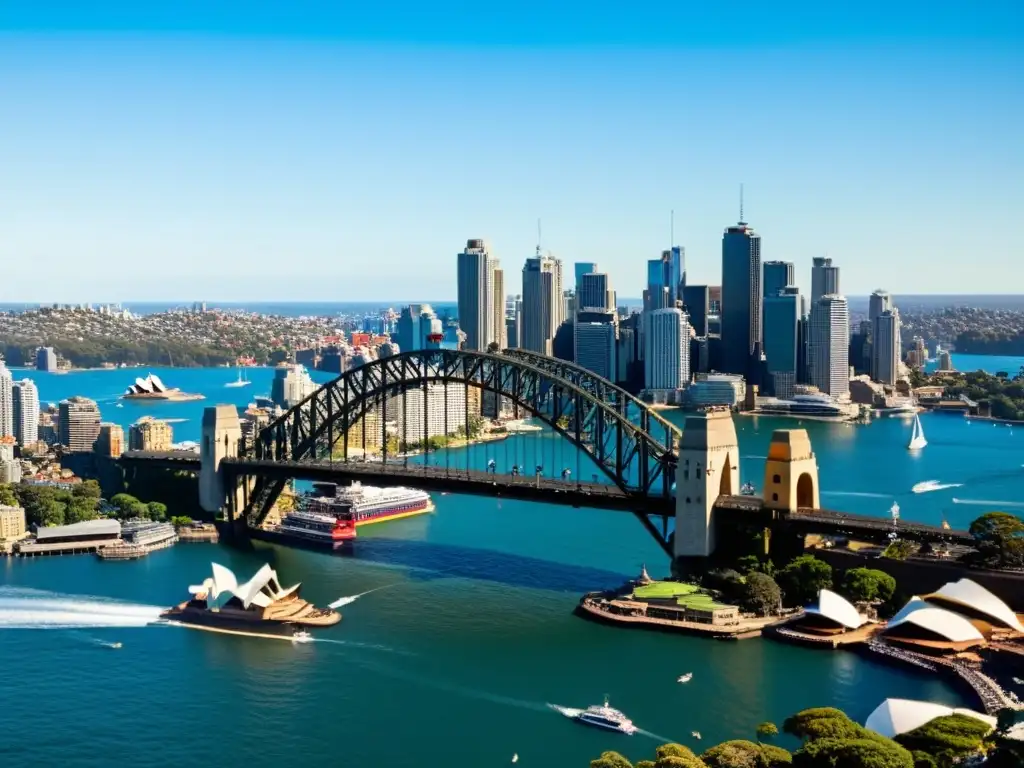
{"x":666,"y":350}
{"x":666,"y":278}
{"x":79,"y":423}
{"x":824,"y":279}
{"x":476,"y":295}
{"x":594,"y":292}
{"x":542,"y":303}
{"x":828,"y":348}
{"x":741,"y":299}
{"x":408,"y":331}
{"x":46,"y":359}
{"x":777,"y":275}
{"x":6,"y":402}
{"x":782,"y":339}
{"x":498,"y":309}
{"x":594,"y":337}
{"x":697,"y":300}
{"x":25,"y":402}
{"x":879,"y":302}
{"x":582,"y":268}
{"x":886,"y":350}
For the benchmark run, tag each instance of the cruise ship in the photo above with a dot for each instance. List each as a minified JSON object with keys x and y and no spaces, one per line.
{"x":330,"y":529}
{"x":365,"y":504}
{"x":259,"y":607}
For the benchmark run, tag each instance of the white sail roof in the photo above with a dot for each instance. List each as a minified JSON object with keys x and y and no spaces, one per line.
{"x":836,"y":608}
{"x":261,"y":590}
{"x":953,"y":627}
{"x":895,"y":716}
{"x":972,"y":595}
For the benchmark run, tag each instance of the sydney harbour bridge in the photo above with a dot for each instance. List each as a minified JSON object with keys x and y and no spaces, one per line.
{"x":380,"y":423}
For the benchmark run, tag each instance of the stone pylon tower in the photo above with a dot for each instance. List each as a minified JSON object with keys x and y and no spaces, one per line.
{"x":222,"y":432}
{"x":791,"y":472}
{"x":709,"y":466}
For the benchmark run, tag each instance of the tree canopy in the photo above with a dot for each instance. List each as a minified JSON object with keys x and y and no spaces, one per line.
{"x":948,"y":738}
{"x":999,"y":539}
{"x":761,"y":594}
{"x":852,"y":753}
{"x":803,"y":578}
{"x":822,"y":723}
{"x":868,"y":585}
{"x":7,"y":497}
{"x":746,"y":754}
{"x":611,"y":760}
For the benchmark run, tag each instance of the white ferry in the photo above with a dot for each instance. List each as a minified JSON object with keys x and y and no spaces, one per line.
{"x":607,"y":718}
{"x":328,"y":529}
{"x":364,"y":504}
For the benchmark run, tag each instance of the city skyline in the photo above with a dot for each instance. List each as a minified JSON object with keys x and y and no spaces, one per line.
{"x":251,"y":152}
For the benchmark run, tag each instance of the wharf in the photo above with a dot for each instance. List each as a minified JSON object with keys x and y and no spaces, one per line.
{"x":206,"y":533}
{"x":125,"y":551}
{"x":591,"y":607}
{"x":31,"y":548}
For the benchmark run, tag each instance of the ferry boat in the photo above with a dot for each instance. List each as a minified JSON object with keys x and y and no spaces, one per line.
{"x":259,"y":607}
{"x":365,"y":504}
{"x":330,"y":529}
{"x":607,"y":718}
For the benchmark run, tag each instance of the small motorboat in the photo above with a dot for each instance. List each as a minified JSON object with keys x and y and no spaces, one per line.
{"x":606,"y":717}
{"x":115,"y":645}
{"x":685,"y":678}
{"x":302,"y":636}
{"x":695,"y":734}
{"x":515,"y":758}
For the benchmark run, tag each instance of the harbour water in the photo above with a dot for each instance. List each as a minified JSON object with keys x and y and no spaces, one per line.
{"x":456,"y":660}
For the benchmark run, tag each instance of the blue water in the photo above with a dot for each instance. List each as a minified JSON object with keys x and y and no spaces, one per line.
{"x":988,"y":363}
{"x":454,"y":662}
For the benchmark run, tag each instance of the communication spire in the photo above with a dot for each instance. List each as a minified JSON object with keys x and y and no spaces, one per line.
{"x":742,"y":221}
{"x":538,"y":237}
{"x":672,"y":228}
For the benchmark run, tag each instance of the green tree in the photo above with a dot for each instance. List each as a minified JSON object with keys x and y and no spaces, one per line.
{"x":157,"y":510}
{"x":868,"y":585}
{"x":7,"y":497}
{"x":762,"y":594}
{"x":181,"y":520}
{"x":79,"y":510}
{"x":852,"y":753}
{"x":999,"y":539}
{"x":767,"y":731}
{"x":803,"y":578}
{"x":949,"y":738}
{"x":745,"y":754}
{"x":777,"y":757}
{"x":923,"y":760}
{"x":822,"y":723}
{"x":900,"y":549}
{"x":41,"y":503}
{"x":124,"y":504}
{"x":88,"y":489}
{"x":676,"y":756}
{"x":138,"y":510}
{"x":611,"y":760}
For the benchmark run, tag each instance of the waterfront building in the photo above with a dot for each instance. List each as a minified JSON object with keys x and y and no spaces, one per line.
{"x":110,"y":441}
{"x":46,"y":359}
{"x":716,"y":389}
{"x":6,"y":401}
{"x":741,"y":299}
{"x":824,"y":279}
{"x":666,"y":350}
{"x":594,"y":341}
{"x":476,"y":295}
{"x":542,"y":303}
{"x":423,"y":414}
{"x":78,"y":424}
{"x":803,"y":403}
{"x":778,"y":275}
{"x":782,"y":339}
{"x":25,"y":405}
{"x":831,"y":614}
{"x":12,"y":523}
{"x":886,"y":352}
{"x":919,"y":624}
{"x":595,"y":293}
{"x":581,"y":268}
{"x":292,"y":384}
{"x":149,"y":434}
{"x":828,"y":347}
{"x":697,"y":303}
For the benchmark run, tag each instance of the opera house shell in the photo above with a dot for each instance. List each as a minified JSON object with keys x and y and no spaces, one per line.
{"x":897,"y":716}
{"x":918,"y":622}
{"x":978,"y":602}
{"x":835,"y":610}
{"x":151,"y":386}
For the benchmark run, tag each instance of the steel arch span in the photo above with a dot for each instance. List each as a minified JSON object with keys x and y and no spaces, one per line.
{"x":595,"y":422}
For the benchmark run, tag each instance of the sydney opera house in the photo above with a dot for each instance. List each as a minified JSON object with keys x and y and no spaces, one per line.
{"x":894,"y":717}
{"x":258,"y":606}
{"x":152,"y":388}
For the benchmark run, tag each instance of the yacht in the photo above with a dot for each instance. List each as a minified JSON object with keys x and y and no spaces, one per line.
{"x":685,"y":678}
{"x":606,"y":717}
{"x":748,"y":489}
{"x":240,"y":382}
{"x":917,"y":441}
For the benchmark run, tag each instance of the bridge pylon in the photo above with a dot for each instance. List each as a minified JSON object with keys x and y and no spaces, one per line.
{"x":222,"y":433}
{"x":791,"y":472}
{"x":709,"y":467}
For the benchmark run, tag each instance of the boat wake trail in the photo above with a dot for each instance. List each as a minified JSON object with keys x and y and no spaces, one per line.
{"x":933,"y":485}
{"x":31,"y":609}
{"x":352,"y":598}
{"x":863,"y":495}
{"x":988,"y":503}
{"x":364,"y":646}
{"x":90,"y":640}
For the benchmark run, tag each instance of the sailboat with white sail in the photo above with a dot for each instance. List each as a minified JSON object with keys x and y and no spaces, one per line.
{"x":241,"y":382}
{"x":917,"y":441}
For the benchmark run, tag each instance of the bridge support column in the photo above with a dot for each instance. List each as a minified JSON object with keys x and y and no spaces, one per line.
{"x":791,"y":472}
{"x":709,"y":466}
{"x":222,"y":433}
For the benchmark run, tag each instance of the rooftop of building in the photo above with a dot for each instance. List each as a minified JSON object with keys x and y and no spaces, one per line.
{"x":102,"y":527}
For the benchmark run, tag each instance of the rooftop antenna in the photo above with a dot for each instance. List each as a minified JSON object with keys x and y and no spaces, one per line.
{"x":672,"y":228}
{"x":538,"y":237}
{"x":741,"y":205}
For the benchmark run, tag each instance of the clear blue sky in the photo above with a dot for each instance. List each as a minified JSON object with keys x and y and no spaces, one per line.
{"x":345,"y":151}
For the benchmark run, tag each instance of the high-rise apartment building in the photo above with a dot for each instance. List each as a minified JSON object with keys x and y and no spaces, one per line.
{"x":291,"y":385}
{"x":149,"y":434}
{"x":697,"y":301}
{"x":110,"y":441}
{"x":594,"y":336}
{"x":78,"y":424}
{"x":594,"y":292}
{"x":498,"y":335}
{"x":741,"y":299}
{"x":824,"y":279}
{"x":828,"y":347}
{"x":886,"y":350}
{"x":46,"y":359}
{"x":476,"y":295}
{"x":880,"y":301}
{"x":25,"y":402}
{"x":777,"y":275}
{"x":782,"y":339}
{"x":666,"y":350}
{"x":543,"y":309}
{"x":6,"y":401}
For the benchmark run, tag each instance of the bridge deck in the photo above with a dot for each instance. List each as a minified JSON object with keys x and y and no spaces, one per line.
{"x":166,"y":459}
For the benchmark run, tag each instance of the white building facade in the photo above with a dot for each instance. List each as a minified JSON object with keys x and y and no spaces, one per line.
{"x":886,"y":349}
{"x":828,"y":347}
{"x":543,"y":304}
{"x":423,"y":414}
{"x":666,"y":350}
{"x":6,"y":402}
{"x":25,"y":403}
{"x":477,"y":298}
